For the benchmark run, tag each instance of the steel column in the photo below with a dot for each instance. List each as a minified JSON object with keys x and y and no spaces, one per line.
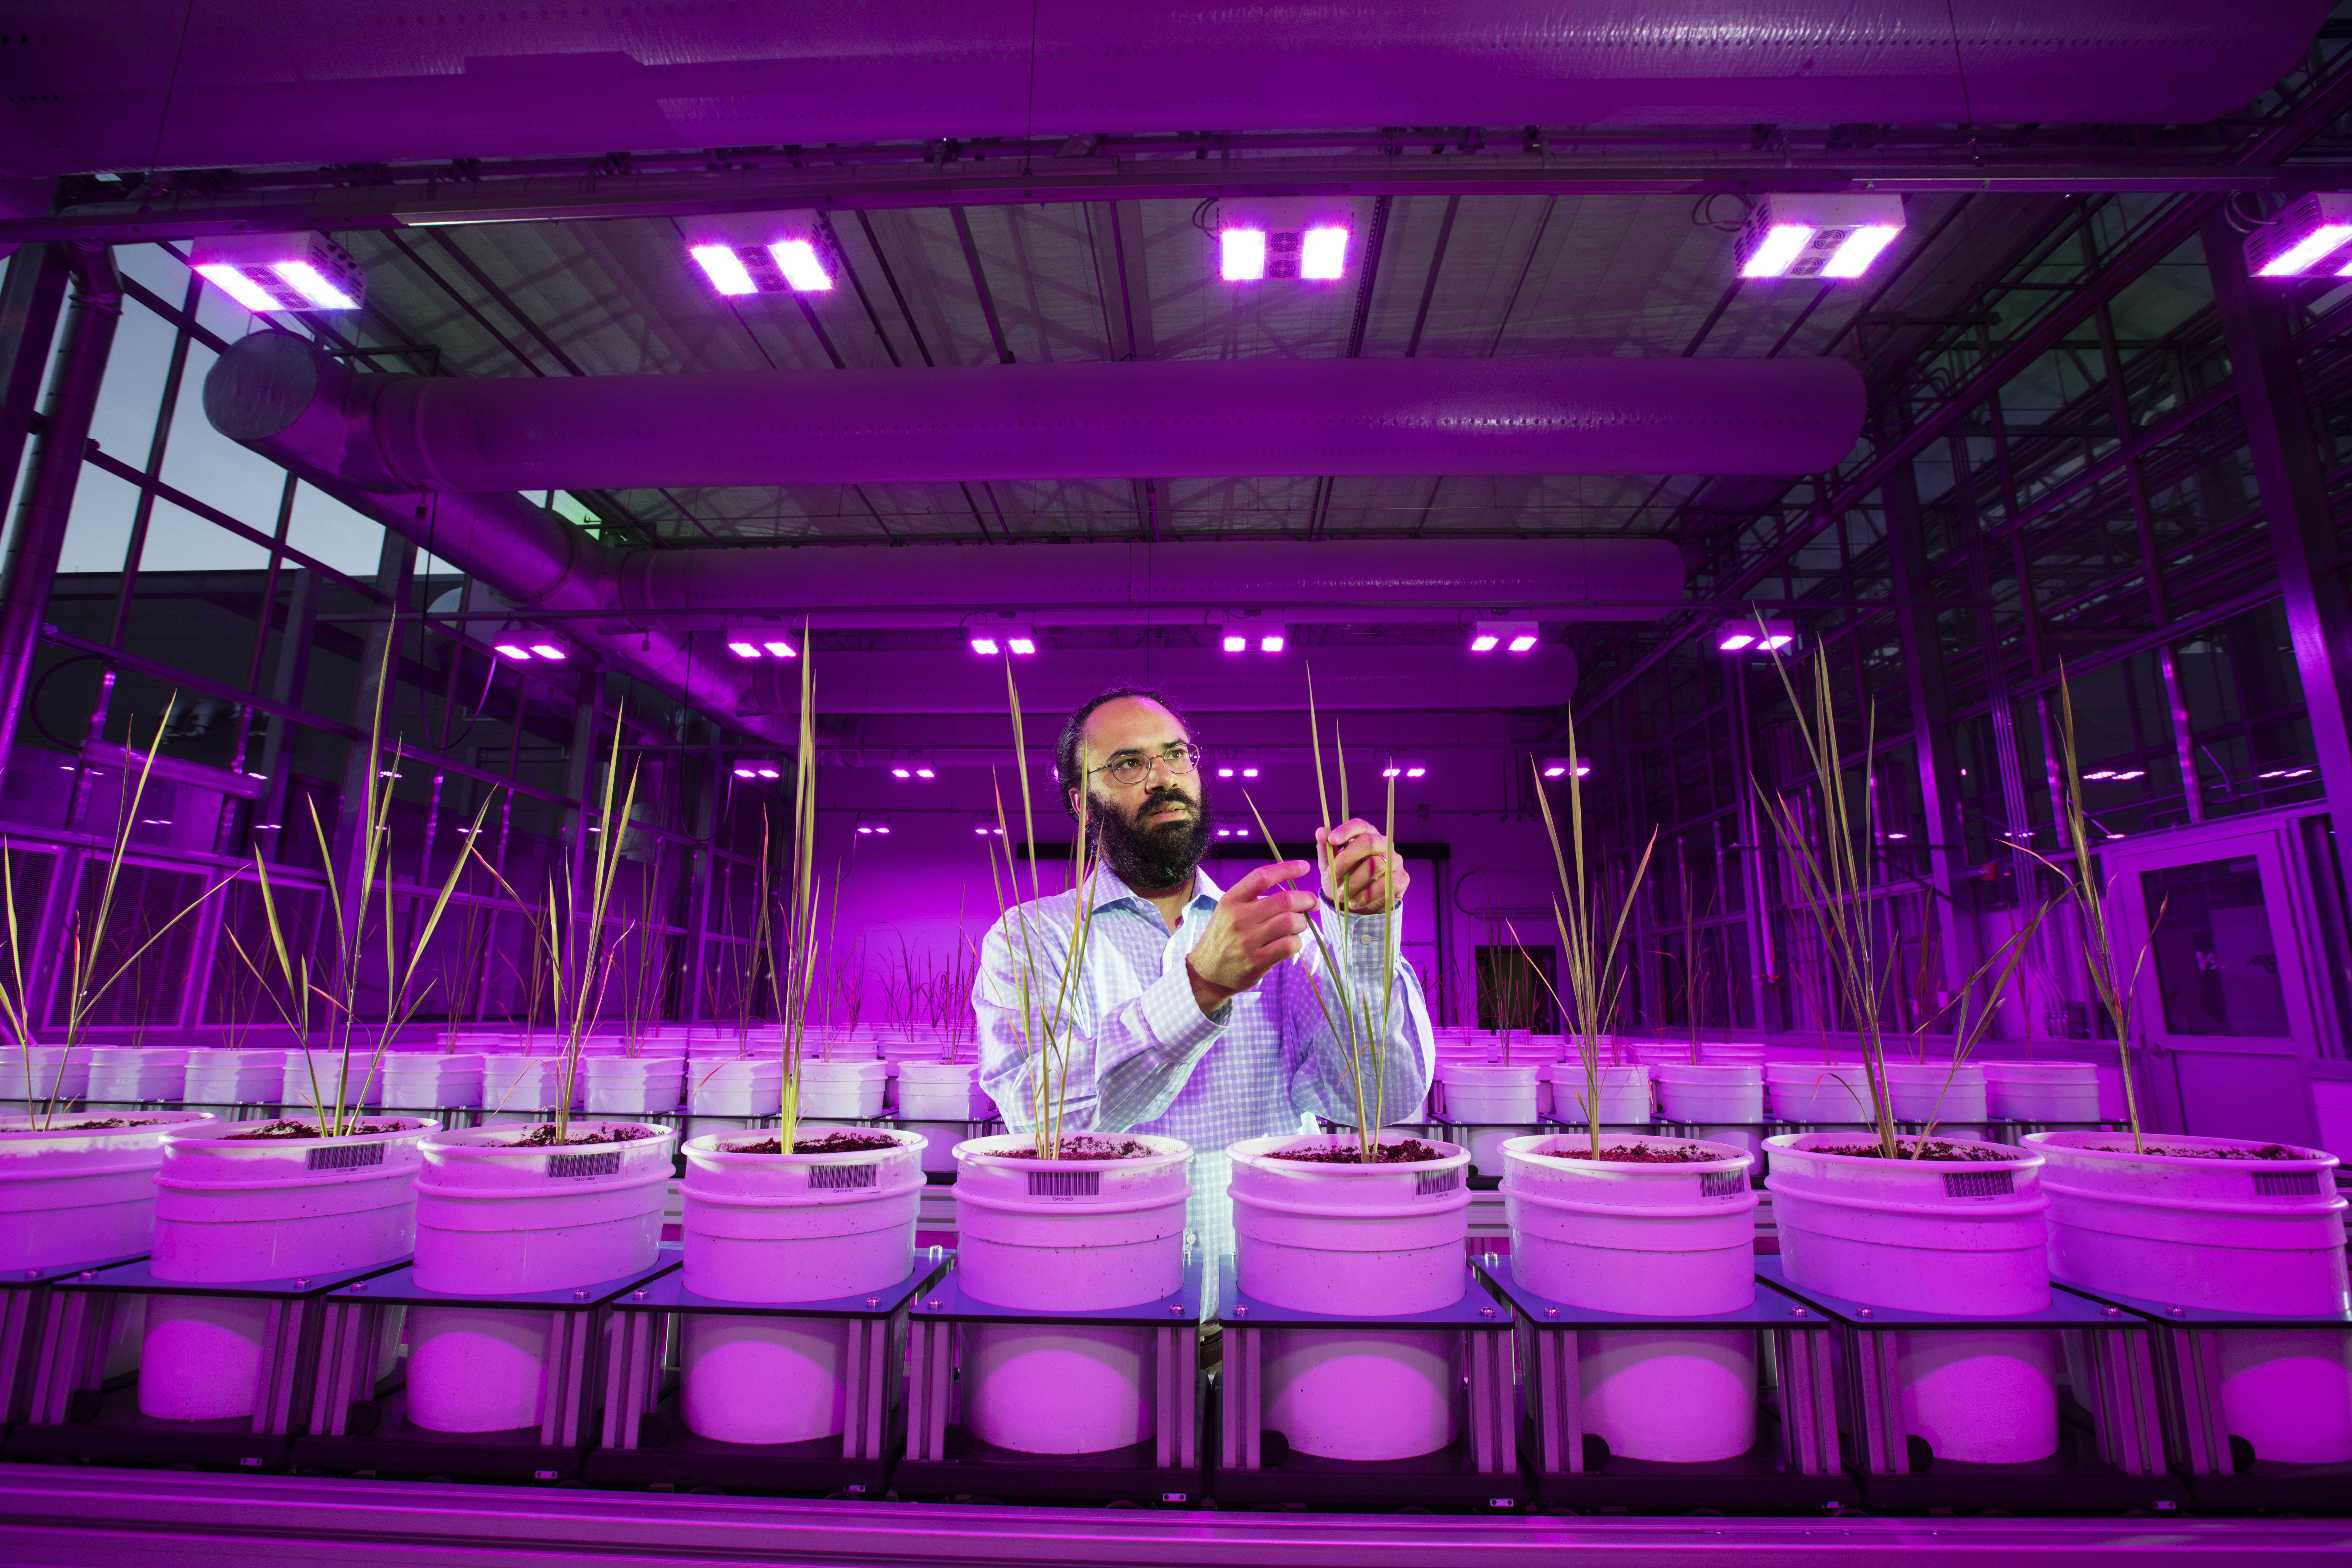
{"x":47,"y":503}
{"x":2293,"y":489}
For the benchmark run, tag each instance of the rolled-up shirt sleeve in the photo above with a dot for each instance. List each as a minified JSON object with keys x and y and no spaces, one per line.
{"x":1117,"y":1063}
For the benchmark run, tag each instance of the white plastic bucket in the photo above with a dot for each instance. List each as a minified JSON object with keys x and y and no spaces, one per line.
{"x":1066,"y":1234}
{"x":1357,"y":1241}
{"x":230,"y":1209}
{"x":632,"y":1086}
{"x":1624,"y":1092}
{"x":1490,"y":1094}
{"x":1710,"y":1093}
{"x":2263,"y":1236}
{"x":1647,"y":1240}
{"x":71,"y":1194}
{"x":1731,"y":1053}
{"x":325,"y":1077}
{"x":941,"y":1091}
{"x":492,"y":1218}
{"x":1945,"y":1093}
{"x":780,"y":1228}
{"x":521,"y":1086}
{"x":841,"y":1091}
{"x":1832,"y":1094}
{"x":735,"y":1086}
{"x":135,"y":1075}
{"x":1961,"y":1237}
{"x":54,"y":1073}
{"x":2041,"y":1091}
{"x":235,"y":1077}
{"x":413,"y":1080}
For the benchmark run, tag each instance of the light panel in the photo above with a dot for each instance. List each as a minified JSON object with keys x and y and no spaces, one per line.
{"x":803,"y":270}
{"x":744,"y":649}
{"x":724,"y":267}
{"x":301,"y":270}
{"x":1235,"y":643}
{"x":1273,"y":642}
{"x":2304,"y":234}
{"x":1241,"y":255}
{"x":1756,"y":634}
{"x":1813,"y":236}
{"x":1323,"y":254}
{"x":782,"y":648}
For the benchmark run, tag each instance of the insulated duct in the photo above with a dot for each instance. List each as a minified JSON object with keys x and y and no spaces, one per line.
{"x":1089,"y":420}
{"x":149,"y":84}
{"x":283,"y":398}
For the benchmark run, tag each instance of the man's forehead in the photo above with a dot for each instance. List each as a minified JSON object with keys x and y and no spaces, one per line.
{"x":1131,"y":722}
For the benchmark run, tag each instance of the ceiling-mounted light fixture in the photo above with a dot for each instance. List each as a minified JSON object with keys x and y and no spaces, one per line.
{"x":2309,"y":231}
{"x":1756,"y":635}
{"x":270,"y":272}
{"x":1817,"y":235}
{"x":1519,"y":636}
{"x":989,"y":642}
{"x":874,"y":826}
{"x":1303,"y":238}
{"x":1559,"y":767}
{"x":1404,"y":767}
{"x":762,"y":253}
{"x":1273,"y":639}
{"x":530,"y":644}
{"x":757,"y":645}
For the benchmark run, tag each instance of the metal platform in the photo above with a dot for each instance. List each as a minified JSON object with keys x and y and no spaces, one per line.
{"x":354,"y":1427}
{"x":1479,"y":1471}
{"x":82,"y":1409}
{"x":1793,"y":1467}
{"x":645,"y":1440}
{"x":2110,"y":1456}
{"x":944,"y":1458}
{"x":2223,"y":1471}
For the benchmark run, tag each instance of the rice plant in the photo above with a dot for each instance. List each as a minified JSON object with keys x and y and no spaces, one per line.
{"x":1595,"y":976}
{"x":368,"y":898}
{"x":1045,"y":984}
{"x":86,"y":980}
{"x":1359,"y":1023}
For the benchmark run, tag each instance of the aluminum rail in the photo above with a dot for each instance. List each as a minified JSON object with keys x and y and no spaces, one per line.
{"x":54,"y":1517}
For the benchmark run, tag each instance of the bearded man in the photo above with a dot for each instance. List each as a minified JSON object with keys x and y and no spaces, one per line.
{"x":1194,"y":1016}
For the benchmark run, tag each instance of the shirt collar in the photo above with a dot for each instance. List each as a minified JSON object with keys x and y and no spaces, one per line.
{"x":1110,"y":889}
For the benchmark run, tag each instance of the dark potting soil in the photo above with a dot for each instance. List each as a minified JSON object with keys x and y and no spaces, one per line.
{"x":2267,"y":1152}
{"x":311,"y":1129}
{"x":1933,"y":1149}
{"x":109,"y":1123}
{"x":1083,"y":1148}
{"x":1411,"y":1151}
{"x":543,"y":1137}
{"x":1640,"y":1153}
{"x":831,"y":1143}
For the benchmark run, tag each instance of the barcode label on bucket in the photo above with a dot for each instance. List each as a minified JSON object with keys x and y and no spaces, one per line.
{"x":2286,"y":1184}
{"x":1979,"y":1183}
{"x":1429,"y":1183}
{"x":839,"y":1178}
{"x":344,"y":1157}
{"x":1065,"y":1184}
{"x":1722,"y":1183}
{"x":606,"y":1164}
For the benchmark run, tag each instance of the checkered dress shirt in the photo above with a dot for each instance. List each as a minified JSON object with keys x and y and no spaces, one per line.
{"x":1142,"y":1058}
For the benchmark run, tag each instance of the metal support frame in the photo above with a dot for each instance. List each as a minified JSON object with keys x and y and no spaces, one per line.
{"x":2119,"y":1464}
{"x":84,"y":1400}
{"x":935,"y":1460}
{"x":1482,"y":1467}
{"x":2302,"y":524}
{"x":356,"y":1423}
{"x":1796,"y":1463}
{"x":45,"y":504}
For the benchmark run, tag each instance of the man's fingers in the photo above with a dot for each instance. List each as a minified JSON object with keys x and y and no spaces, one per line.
{"x":1265,"y":876}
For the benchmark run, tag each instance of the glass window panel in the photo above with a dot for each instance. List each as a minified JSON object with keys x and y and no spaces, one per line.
{"x":2216,"y":965}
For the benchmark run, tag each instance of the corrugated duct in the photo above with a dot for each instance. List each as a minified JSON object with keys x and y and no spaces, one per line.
{"x":141,"y":84}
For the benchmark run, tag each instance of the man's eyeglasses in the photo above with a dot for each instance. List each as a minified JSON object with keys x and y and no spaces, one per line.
{"x":1133,"y":770}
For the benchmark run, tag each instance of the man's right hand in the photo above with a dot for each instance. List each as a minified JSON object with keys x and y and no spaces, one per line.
{"x":1259,"y":923}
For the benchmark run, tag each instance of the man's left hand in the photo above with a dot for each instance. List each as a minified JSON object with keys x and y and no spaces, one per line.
{"x":1370,"y":877}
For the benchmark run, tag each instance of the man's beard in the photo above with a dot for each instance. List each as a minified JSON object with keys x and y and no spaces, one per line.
{"x":1158,"y":857}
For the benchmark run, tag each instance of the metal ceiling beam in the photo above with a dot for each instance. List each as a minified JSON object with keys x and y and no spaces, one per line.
{"x":428,"y":199}
{"x":2322,"y":107}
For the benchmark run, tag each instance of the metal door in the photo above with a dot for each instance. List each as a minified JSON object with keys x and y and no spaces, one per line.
{"x":2233,"y":998}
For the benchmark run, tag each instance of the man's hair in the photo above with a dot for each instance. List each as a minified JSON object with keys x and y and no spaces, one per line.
{"x":1069,"y":767}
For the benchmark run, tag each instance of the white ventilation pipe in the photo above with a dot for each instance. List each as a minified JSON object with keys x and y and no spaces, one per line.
{"x":1089,"y":420}
{"x":147,"y":84}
